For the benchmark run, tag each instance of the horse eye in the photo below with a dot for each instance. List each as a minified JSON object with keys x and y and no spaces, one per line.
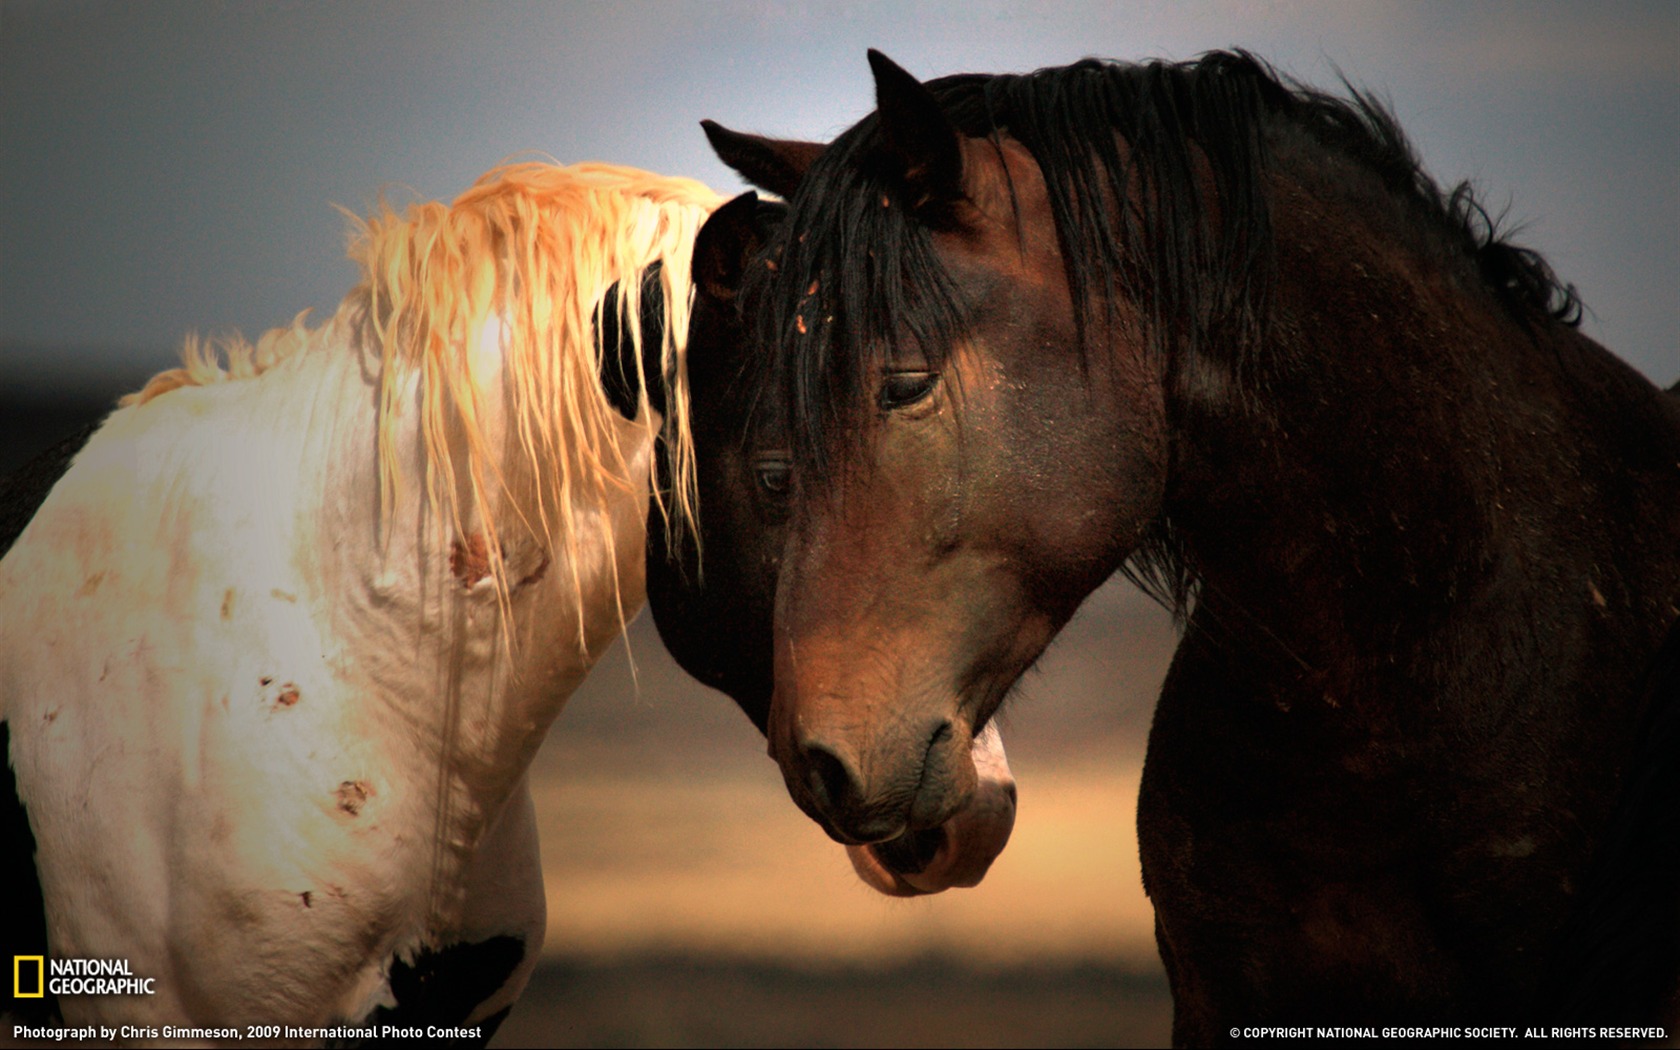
{"x":774,"y":475}
{"x":902,"y":389}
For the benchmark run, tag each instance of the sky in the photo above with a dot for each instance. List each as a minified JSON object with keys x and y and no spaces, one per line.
{"x":168,"y":168}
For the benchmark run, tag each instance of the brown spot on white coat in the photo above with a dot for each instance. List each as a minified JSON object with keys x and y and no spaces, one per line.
{"x":469,"y":560}
{"x":353,"y":795}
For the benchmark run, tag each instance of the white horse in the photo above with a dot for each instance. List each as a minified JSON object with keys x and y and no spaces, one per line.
{"x":278,"y":648}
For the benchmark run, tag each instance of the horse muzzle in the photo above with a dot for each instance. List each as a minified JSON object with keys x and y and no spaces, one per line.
{"x":864,"y":788}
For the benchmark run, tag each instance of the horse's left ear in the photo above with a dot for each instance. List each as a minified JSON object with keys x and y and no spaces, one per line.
{"x":776,"y":165}
{"x":917,"y":140}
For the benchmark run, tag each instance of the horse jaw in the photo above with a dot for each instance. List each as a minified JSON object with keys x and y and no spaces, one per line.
{"x":967,"y":843}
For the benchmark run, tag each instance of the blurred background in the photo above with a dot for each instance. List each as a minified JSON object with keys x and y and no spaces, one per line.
{"x":173,"y":167}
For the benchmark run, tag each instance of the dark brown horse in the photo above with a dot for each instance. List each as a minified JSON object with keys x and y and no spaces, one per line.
{"x":1221,"y":331}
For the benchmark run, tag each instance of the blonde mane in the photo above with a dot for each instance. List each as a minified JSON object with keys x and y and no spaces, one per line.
{"x":524,"y":257}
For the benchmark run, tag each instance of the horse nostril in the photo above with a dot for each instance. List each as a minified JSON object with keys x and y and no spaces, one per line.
{"x":828,"y":779}
{"x":941,"y":735}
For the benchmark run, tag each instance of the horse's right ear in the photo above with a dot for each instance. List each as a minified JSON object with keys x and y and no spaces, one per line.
{"x":723,"y":246}
{"x":775,"y":165}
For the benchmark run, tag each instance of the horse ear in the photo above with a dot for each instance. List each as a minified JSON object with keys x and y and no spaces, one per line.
{"x":919,"y":142}
{"x":724,"y":244}
{"x":775,"y":165}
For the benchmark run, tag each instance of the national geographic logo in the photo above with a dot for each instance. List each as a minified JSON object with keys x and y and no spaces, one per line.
{"x":21,"y":965}
{"x":33,"y":976}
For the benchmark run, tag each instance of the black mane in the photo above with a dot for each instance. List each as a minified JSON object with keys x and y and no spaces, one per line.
{"x":860,"y":272}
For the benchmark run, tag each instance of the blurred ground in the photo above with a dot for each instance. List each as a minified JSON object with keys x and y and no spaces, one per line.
{"x":930,"y":1002}
{"x":690,"y":902}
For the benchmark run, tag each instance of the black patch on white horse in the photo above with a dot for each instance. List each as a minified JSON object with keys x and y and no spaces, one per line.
{"x":444,"y":987}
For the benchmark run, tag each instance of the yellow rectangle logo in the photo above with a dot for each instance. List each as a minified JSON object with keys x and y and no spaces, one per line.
{"x":40,"y":962}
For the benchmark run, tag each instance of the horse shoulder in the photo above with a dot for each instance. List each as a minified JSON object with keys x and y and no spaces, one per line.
{"x":1280,"y":848}
{"x":177,"y":727}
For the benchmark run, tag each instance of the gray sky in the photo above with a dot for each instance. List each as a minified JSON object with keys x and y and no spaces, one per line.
{"x":169,"y":167}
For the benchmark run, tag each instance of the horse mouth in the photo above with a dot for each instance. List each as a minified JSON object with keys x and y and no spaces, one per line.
{"x":923,"y":862}
{"x":956,"y":853}
{"x":898,"y":867}
{"x":912,"y":852}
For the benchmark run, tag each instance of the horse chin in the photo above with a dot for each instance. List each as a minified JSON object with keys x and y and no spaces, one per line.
{"x":958,"y":852}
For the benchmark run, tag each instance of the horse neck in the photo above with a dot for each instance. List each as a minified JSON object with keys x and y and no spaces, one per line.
{"x":458,"y":682}
{"x":1412,"y":469}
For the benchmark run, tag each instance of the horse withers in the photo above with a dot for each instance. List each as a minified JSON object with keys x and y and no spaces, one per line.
{"x":711,"y":588}
{"x":279,"y":645}
{"x":1222,"y":331}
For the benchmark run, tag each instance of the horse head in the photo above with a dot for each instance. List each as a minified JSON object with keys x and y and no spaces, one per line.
{"x":959,"y":484}
{"x":715,"y":613}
